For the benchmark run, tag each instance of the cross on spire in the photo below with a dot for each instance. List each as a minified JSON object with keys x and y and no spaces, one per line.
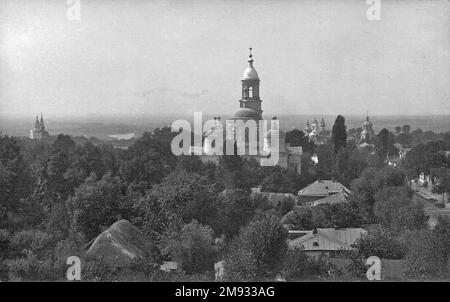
{"x":250,"y":57}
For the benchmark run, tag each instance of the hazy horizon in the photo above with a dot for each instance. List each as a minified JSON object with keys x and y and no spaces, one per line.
{"x":134,"y":58}
{"x":103,"y":127}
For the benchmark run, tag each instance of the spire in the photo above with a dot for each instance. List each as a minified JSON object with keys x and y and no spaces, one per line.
{"x":42,"y":123}
{"x":250,"y":72}
{"x":250,"y":57}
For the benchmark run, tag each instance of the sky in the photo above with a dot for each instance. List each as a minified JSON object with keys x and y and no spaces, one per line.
{"x":129,"y":57}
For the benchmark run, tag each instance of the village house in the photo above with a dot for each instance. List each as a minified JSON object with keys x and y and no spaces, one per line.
{"x":329,"y":242}
{"x":321,"y":189}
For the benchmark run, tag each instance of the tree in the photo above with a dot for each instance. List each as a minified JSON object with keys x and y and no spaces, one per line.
{"x":96,"y":204}
{"x":299,"y":218}
{"x":441,"y":234}
{"x":383,"y":144}
{"x":296,"y":137}
{"x":278,"y":182}
{"x":240,"y":264}
{"x":339,"y":133}
{"x":236,"y":172}
{"x":443,"y":186}
{"x":299,"y":266}
{"x":193,"y":249}
{"x":388,"y":176}
{"x":234,"y":210}
{"x":325,"y":168}
{"x":264,"y":240}
{"x":181,"y":197}
{"x":423,"y":157}
{"x":190,"y":164}
{"x":395,"y":209}
{"x":350,"y":162}
{"x":398,"y":129}
{"x":296,"y":265}
{"x":428,"y":251}
{"x":149,"y":159}
{"x":404,"y":139}
{"x":381,"y":243}
{"x":63,"y":143}
{"x":372,"y":180}
{"x":15,"y":181}
{"x":87,"y":159}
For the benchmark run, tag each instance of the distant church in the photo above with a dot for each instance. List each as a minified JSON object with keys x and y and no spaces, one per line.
{"x":367,"y":133}
{"x":250,"y":109}
{"x":39,"y":131}
{"x":316,"y":132}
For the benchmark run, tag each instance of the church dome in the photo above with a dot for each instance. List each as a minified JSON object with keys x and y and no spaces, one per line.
{"x":247,"y":113}
{"x":367,"y":122}
{"x":250,"y":74}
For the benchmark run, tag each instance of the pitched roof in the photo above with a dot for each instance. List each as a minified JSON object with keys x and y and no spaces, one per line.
{"x":120,"y":244}
{"x":323,"y":187}
{"x":327,"y":239}
{"x":341,"y":197}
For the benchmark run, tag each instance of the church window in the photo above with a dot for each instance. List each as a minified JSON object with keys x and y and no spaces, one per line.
{"x":250,"y":92}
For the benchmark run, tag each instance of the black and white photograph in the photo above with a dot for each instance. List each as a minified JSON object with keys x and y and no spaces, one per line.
{"x":220,"y":142}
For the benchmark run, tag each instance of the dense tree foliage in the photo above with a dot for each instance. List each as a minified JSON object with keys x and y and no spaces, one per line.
{"x":193,"y":248}
{"x":339,"y":133}
{"x":297,"y":137}
{"x":394,"y":208}
{"x":423,"y":157}
{"x":429,"y":251}
{"x":59,"y":193}
{"x":384,"y":144}
{"x":381,"y":243}
{"x":262,"y":249}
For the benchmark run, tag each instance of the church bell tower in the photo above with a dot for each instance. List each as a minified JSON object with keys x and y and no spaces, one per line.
{"x":250,"y":87}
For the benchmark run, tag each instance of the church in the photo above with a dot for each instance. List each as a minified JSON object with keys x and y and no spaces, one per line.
{"x":317,"y":133}
{"x":250,"y":109}
{"x":39,"y":131}
{"x":367,"y":135}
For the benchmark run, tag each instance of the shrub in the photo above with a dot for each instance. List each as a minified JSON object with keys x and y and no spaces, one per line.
{"x":240,"y":264}
{"x":193,"y":249}
{"x":259,"y":250}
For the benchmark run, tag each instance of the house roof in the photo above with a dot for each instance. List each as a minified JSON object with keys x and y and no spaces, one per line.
{"x":341,"y":197}
{"x":323,"y":188}
{"x":120,"y":244}
{"x":327,"y":239}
